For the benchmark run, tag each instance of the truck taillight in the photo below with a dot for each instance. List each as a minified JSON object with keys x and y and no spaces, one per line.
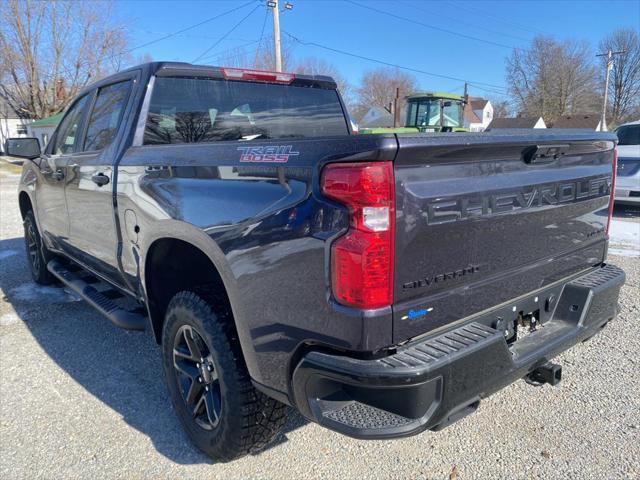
{"x":362,"y":259}
{"x":612,"y":194}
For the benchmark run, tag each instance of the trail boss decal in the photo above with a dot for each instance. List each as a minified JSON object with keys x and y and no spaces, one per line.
{"x":413,"y":314}
{"x":268,"y":154}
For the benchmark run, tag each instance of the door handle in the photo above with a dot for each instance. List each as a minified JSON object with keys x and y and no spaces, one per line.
{"x":100,"y":179}
{"x":57,"y":175}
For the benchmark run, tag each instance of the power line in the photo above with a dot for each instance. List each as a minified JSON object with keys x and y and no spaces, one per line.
{"x":191,"y":27}
{"x":503,"y":91}
{"x":502,"y":20}
{"x":495,"y":32}
{"x":433,"y":27}
{"x":389,"y":64}
{"x":231,"y":49}
{"x":264,"y":23}
{"x":225,"y":35}
{"x":194,"y":36}
{"x":240,"y":64}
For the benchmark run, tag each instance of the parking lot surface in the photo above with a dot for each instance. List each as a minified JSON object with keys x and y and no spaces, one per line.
{"x":80,"y":398}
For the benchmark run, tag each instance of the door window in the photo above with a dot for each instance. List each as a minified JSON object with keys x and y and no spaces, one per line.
{"x":106,"y":115}
{"x":66,"y":135}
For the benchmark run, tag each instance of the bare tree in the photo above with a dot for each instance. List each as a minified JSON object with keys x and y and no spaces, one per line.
{"x":553,"y":78}
{"x":624,"y":82}
{"x":50,"y":50}
{"x":378,"y":87}
{"x":262,"y":58}
{"x":501,"y":108}
{"x":318,"y":66}
{"x":146,"y":57}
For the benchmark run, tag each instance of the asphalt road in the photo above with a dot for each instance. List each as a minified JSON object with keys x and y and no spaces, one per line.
{"x":80,"y":398}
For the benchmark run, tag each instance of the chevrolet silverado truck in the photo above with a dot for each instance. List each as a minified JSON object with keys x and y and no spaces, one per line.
{"x":382,"y":285}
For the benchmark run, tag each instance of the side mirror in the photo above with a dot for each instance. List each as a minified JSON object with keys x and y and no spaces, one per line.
{"x":447,"y":103}
{"x":22,"y":147}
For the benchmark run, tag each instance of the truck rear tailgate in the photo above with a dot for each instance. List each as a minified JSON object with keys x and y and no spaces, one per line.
{"x":484,"y":219}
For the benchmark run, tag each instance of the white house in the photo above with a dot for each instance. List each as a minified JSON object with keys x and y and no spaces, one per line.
{"x":11,"y":125}
{"x":376,"y":117}
{"x":478,"y":114}
{"x":43,"y":129}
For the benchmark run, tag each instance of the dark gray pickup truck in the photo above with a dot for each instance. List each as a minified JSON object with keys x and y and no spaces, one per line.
{"x":380,"y":284}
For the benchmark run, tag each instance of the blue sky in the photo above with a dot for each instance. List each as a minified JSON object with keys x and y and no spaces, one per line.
{"x":496,"y":27}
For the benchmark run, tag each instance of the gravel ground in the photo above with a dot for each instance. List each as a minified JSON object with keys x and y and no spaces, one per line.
{"x":80,"y":398}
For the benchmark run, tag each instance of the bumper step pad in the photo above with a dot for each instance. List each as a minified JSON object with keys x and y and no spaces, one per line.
{"x":440,"y":348}
{"x":362,"y":416}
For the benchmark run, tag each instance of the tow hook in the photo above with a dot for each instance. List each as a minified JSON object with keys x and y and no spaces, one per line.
{"x":550,"y":373}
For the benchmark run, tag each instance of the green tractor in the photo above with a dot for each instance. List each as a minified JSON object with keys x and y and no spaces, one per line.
{"x":429,"y":112}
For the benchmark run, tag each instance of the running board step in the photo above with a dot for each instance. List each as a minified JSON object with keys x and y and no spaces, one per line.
{"x":119,"y":316}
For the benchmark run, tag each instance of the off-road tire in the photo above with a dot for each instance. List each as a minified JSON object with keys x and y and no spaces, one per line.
{"x":37,"y":254}
{"x":248,"y":419}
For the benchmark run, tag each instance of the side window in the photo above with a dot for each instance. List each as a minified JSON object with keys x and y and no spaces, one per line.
{"x":105,"y":117}
{"x":66,"y":134}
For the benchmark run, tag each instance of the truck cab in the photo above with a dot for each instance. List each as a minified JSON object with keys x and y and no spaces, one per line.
{"x":435,"y":112}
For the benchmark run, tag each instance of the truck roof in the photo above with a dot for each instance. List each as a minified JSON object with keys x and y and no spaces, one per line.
{"x":189,"y":69}
{"x":451,"y":96}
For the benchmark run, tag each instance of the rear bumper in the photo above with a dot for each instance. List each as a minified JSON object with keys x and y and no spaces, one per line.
{"x":431,"y":383}
{"x":628,"y":190}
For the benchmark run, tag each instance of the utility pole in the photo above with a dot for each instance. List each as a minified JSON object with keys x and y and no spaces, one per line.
{"x":276,"y":33}
{"x":465,"y":102}
{"x":609,"y":66}
{"x":396,"y":108}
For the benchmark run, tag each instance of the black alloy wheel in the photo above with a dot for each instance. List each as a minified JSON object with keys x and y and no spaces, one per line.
{"x":37,"y":253}
{"x":222,"y":412}
{"x":197,"y":377}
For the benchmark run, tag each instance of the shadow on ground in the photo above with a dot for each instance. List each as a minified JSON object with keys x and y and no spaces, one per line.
{"x":121,"y":368}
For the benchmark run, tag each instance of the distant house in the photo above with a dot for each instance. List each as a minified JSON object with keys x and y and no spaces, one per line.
{"x":11,"y":124}
{"x":477,"y":114}
{"x":517,"y":122}
{"x":44,"y":128}
{"x":376,"y":117}
{"x":584,"y":121}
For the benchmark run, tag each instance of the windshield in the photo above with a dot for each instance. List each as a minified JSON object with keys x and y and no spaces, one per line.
{"x":423,"y":112}
{"x":426,"y":112}
{"x":451,"y":114}
{"x":191,"y":110}
{"x":629,"y":135}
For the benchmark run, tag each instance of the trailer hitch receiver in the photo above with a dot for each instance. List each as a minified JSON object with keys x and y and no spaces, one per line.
{"x":550,"y":373}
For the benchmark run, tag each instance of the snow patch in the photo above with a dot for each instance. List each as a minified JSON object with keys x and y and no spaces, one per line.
{"x":31,"y":292}
{"x":623,"y":252}
{"x":9,"y":319}
{"x":624,"y":238}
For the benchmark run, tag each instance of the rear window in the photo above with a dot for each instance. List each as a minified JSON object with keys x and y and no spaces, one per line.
{"x":628,"y":135}
{"x":191,"y":110}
